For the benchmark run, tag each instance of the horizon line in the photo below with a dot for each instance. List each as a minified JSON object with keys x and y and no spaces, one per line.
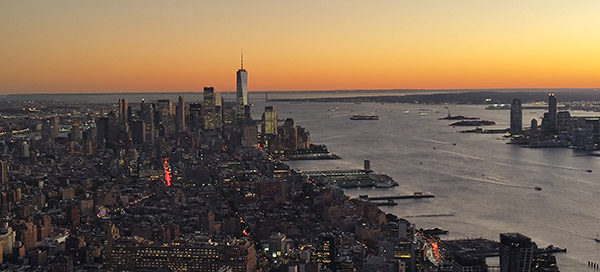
{"x":324,"y":90}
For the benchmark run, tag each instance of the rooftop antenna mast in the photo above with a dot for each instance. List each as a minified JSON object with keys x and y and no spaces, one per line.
{"x":242,"y":59}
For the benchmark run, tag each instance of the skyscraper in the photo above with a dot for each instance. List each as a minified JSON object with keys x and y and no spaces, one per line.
{"x":250,"y":134}
{"x":516,"y":117}
{"x":269,"y":121}
{"x":165,"y":116}
{"x":180,"y":115}
{"x":123,"y":116}
{"x":209,"y":109}
{"x":50,"y":129}
{"x":241,"y":91}
{"x":138,"y":132}
{"x":516,"y":252}
{"x":269,"y":127}
{"x":290,"y":135}
{"x":552,"y":110}
{"x":107,"y":129}
{"x":147,"y":115}
{"x":55,"y":124}
{"x":195,"y":116}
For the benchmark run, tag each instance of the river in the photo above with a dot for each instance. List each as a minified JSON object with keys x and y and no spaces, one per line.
{"x":483,"y":186}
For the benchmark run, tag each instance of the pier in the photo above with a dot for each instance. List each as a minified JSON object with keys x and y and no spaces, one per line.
{"x":352,"y":178}
{"x":416,"y":195}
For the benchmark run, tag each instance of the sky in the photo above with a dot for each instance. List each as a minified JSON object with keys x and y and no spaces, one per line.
{"x":168,"y":46}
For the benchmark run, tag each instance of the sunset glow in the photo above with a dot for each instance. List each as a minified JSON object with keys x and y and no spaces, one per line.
{"x":153,"y":46}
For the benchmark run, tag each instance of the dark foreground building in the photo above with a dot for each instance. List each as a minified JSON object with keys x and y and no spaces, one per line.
{"x":237,"y":255}
{"x":516,"y":252}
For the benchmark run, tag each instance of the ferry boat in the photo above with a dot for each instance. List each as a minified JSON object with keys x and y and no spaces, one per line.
{"x":364,"y":117}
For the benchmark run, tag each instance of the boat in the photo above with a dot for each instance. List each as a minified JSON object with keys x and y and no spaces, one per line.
{"x":538,"y":188}
{"x":589,"y":170}
{"x":382,"y":184}
{"x":364,"y":117}
{"x":422,"y":114}
{"x":406,"y":112}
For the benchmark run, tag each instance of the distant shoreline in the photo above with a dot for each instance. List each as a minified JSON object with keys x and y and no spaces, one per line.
{"x":441,"y":96}
{"x":443,"y":90}
{"x":478,"y":98}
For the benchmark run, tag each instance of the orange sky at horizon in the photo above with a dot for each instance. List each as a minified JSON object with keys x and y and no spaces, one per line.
{"x":152,"y":46}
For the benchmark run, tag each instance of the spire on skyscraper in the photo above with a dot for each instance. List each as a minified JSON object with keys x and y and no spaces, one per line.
{"x":242,"y":60}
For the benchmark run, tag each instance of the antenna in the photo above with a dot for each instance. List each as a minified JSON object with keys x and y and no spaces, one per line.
{"x":242,"y":59}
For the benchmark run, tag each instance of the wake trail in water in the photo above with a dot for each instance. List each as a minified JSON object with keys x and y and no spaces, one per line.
{"x":340,"y":115}
{"x":432,"y":140}
{"x":531,"y":163}
{"x":331,"y":137}
{"x":547,"y":165}
{"x":494,"y":180}
{"x":476,"y":158}
{"x":569,"y":231}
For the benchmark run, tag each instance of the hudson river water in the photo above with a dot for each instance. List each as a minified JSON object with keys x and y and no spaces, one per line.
{"x":482,"y":185}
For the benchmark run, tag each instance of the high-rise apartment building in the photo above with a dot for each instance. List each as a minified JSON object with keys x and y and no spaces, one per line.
{"x":516,"y":117}
{"x":269,"y":127}
{"x":516,"y":252}
{"x":147,"y":115}
{"x":250,"y":135}
{"x":552,"y":110}
{"x":50,"y":129}
{"x":164,"y":107}
{"x":209,"y":106}
{"x":269,"y":121}
{"x":195,"y":116}
{"x":107,"y":129}
{"x":138,"y":132}
{"x":290,"y":135}
{"x":55,"y":126}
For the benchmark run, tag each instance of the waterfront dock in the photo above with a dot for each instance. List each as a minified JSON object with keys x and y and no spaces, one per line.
{"x":352,"y":178}
{"x":416,"y":195}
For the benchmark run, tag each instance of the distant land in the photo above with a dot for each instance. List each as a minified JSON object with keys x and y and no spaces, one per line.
{"x":421,"y":96}
{"x":500,"y":96}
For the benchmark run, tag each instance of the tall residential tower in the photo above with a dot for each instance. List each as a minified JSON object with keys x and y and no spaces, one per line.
{"x":516,"y":117}
{"x":552,"y":110}
{"x":516,"y":251}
